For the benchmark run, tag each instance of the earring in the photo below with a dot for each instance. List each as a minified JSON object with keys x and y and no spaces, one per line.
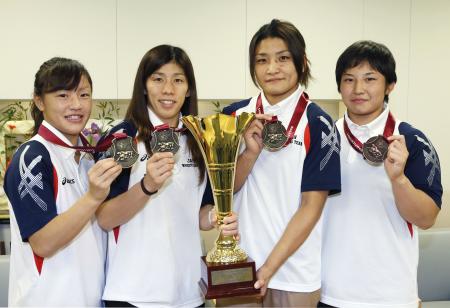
{"x":145,"y":92}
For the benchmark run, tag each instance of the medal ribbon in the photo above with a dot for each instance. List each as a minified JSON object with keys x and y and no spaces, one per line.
{"x":357,"y":145}
{"x":293,"y":123}
{"x":48,"y":135}
{"x":166,"y":126}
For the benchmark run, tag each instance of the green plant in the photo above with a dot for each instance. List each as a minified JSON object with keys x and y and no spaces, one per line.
{"x":108,"y":113}
{"x":15,"y":111}
{"x":216,"y":105}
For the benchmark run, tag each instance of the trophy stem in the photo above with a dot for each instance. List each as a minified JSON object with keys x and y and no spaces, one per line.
{"x":226,"y":249}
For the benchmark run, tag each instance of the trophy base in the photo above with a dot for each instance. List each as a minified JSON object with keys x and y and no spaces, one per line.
{"x":228,"y":280}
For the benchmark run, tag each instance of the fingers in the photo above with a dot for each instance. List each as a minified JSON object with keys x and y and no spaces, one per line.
{"x":230,"y":229}
{"x":160,"y":163}
{"x":103,"y":166}
{"x":230,"y":225}
{"x":101,"y":176}
{"x":160,"y":155}
{"x":232,"y":217}
{"x":255,"y":127}
{"x":253,"y":138}
{"x":263,"y":116}
{"x":396,"y":156}
{"x":263,"y":276}
{"x":212,"y":217}
{"x":397,"y":151}
{"x":261,"y":284}
{"x":399,"y":138}
{"x":110,"y":175}
{"x":159,"y":169}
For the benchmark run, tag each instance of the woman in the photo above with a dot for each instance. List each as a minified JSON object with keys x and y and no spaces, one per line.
{"x":155,"y":209}
{"x":57,"y":249}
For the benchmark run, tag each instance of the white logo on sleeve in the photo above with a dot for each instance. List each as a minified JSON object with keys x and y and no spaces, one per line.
{"x":430,"y":157}
{"x":330,"y":140}
{"x":29,"y":180}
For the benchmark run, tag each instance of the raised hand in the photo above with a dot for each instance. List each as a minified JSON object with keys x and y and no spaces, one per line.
{"x":159,"y":169}
{"x":100,"y":176}
{"x":253,"y":135}
{"x":396,"y":157}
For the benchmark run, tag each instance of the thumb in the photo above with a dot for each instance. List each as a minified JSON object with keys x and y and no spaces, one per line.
{"x":259,"y":284}
{"x":212,"y":217}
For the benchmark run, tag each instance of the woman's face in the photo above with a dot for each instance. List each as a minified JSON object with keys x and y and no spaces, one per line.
{"x":67,"y":110}
{"x":167,"y":89}
{"x":363,"y":89}
{"x":275,"y":70}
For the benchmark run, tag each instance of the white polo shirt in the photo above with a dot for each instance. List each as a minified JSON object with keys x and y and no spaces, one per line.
{"x":272,"y":192}
{"x":370,"y":253}
{"x":154,"y":258}
{"x":42,"y":181}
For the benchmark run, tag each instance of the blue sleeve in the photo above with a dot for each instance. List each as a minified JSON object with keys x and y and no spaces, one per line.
{"x":422,"y":167}
{"x":208,"y":197}
{"x":321,"y":168}
{"x":232,"y":108}
{"x":29,"y":185}
{"x":120,"y":184}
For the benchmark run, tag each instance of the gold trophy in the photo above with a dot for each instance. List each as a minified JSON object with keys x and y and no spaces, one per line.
{"x":226,"y":270}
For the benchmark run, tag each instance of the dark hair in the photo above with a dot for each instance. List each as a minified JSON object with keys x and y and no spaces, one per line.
{"x":293,"y":39}
{"x":137,"y":112}
{"x":54,"y":75}
{"x":377,"y":55}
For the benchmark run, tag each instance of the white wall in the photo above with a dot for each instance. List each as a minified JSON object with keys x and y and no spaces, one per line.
{"x":31,"y":32}
{"x":211,"y":32}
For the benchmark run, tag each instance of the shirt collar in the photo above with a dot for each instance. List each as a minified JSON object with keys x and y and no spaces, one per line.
{"x":376,"y":127}
{"x":281,"y":106}
{"x":155,"y":120}
{"x":66,"y":152}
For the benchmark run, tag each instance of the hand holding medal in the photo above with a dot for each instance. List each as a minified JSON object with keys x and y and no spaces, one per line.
{"x":100,"y":176}
{"x":253,"y":135}
{"x":159,"y":168}
{"x":397,"y":156}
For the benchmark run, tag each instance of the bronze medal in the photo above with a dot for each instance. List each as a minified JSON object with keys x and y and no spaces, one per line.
{"x":375,"y":149}
{"x":164,"y":141}
{"x":274,"y":135}
{"x":123,"y":151}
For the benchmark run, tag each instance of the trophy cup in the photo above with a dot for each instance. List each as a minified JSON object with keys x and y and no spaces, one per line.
{"x":226,"y":271}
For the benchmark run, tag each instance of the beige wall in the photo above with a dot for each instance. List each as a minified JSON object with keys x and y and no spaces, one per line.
{"x":443,"y":219}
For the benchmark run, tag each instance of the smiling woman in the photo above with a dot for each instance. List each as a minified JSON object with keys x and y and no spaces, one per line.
{"x":54,"y":193}
{"x":164,"y":198}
